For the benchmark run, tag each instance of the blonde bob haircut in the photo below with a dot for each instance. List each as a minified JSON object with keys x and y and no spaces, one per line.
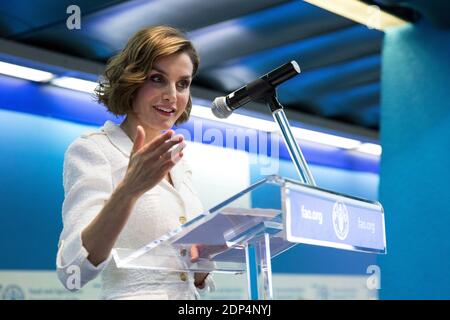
{"x":129,"y":69}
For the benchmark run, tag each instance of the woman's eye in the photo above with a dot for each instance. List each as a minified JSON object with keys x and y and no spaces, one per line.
{"x":183,"y":84}
{"x":156,"y":78}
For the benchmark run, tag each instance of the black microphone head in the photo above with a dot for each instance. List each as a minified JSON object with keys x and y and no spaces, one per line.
{"x":282,"y":74}
{"x":220,"y":108}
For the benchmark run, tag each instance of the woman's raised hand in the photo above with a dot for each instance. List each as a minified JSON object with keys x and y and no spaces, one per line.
{"x":149,"y":163}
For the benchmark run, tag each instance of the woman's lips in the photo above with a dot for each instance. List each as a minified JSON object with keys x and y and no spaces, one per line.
{"x":164,"y":113}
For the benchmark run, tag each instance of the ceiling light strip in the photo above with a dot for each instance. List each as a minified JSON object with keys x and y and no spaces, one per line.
{"x":26,"y":73}
{"x":369,"y":15}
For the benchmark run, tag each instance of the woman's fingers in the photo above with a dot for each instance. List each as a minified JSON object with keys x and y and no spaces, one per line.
{"x":173,"y":155}
{"x":160,"y":145}
{"x":165,"y":151}
{"x":158,"y":141}
{"x":150,"y":162}
{"x":163,"y":148}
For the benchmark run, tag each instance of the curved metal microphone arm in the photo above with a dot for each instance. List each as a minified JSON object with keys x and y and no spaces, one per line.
{"x":294,"y":149}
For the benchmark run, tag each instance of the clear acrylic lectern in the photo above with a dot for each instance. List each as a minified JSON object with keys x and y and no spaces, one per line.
{"x":244,"y":232}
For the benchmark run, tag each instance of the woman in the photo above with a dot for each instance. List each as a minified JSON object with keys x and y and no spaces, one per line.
{"x":128,"y":185}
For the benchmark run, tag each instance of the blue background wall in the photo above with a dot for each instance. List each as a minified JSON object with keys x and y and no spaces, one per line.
{"x":32,"y":153}
{"x":35,"y":133}
{"x":415,"y":135}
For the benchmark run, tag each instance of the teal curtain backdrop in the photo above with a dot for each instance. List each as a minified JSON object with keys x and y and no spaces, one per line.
{"x":415,"y":174}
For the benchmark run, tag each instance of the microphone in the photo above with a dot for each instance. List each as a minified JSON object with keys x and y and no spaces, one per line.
{"x":223,"y":107}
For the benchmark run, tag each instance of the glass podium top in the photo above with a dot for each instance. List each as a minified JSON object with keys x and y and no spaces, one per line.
{"x":288,"y":211}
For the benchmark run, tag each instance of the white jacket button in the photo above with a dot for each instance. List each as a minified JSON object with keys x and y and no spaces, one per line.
{"x":183,"y":276}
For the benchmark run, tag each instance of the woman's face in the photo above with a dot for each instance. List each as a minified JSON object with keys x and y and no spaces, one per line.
{"x":161,"y":100}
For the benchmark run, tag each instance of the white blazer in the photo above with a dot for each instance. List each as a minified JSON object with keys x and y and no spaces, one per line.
{"x":94,"y":164}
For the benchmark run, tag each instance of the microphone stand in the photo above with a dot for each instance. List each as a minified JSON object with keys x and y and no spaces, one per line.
{"x":270,"y":99}
{"x":259,"y":252}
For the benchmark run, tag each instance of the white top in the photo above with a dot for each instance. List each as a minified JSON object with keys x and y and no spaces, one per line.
{"x":94,"y":164}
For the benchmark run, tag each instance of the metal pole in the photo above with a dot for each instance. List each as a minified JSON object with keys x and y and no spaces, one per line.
{"x":294,"y":150}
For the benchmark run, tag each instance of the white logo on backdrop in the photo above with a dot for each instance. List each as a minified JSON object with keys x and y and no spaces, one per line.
{"x":340,"y":220}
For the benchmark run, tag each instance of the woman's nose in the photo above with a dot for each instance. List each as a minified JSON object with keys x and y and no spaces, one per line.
{"x":170,"y":93}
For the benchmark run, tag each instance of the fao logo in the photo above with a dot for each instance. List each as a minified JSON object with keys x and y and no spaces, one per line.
{"x":340,"y":220}
{"x":13,"y":292}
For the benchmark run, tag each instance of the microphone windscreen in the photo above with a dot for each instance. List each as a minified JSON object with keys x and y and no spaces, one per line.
{"x":220,"y":109}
